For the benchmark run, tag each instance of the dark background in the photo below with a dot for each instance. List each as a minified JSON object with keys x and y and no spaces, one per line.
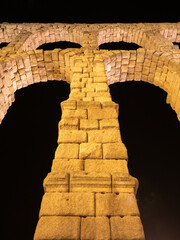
{"x":149,"y":127}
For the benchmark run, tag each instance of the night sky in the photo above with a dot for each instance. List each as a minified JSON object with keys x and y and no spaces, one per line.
{"x":149,"y":127}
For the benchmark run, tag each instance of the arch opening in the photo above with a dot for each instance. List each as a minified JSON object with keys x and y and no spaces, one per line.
{"x":28,"y":138}
{"x":60,"y":44}
{"x":119,"y":46}
{"x":4,"y":44}
{"x":150,"y":130}
{"x":177,"y":44}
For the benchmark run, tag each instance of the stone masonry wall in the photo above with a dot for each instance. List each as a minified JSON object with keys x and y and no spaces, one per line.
{"x":89,"y":193}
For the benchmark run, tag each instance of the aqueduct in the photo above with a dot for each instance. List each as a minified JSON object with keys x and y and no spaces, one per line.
{"x":89,"y":193}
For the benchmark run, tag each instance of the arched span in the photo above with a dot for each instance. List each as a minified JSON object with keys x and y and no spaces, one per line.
{"x":151,"y":66}
{"x":50,"y":35}
{"x":24,"y":69}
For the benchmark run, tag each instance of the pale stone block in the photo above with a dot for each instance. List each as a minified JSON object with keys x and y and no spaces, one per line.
{"x":90,"y":150}
{"x":64,"y":204}
{"x":72,"y":136}
{"x":87,"y":124}
{"x":105,"y":113}
{"x":111,"y":204}
{"x":104,"y":136}
{"x":67,"y":165}
{"x":126,"y":228}
{"x":110,"y":166}
{"x":90,"y":182}
{"x":66,"y":150}
{"x":57,"y":227}
{"x":56,"y":181}
{"x":95,"y":228}
{"x":69,"y":124}
{"x":114,"y":150}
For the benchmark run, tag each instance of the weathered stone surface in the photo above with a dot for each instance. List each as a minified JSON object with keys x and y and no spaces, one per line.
{"x":90,"y":182}
{"x":67,"y":165}
{"x":67,"y":204}
{"x":106,"y":113}
{"x":79,"y":113}
{"x":87,"y":124}
{"x":122,"y":183}
{"x":72,"y":136}
{"x":110,"y":166}
{"x":67,"y":150}
{"x":69,"y":123}
{"x":111,"y":204}
{"x":57,"y":227}
{"x":90,"y":150}
{"x":114,"y":150}
{"x":126,"y":228}
{"x":109,"y":123}
{"x":95,"y":228}
{"x":56,"y":181}
{"x":104,"y":136}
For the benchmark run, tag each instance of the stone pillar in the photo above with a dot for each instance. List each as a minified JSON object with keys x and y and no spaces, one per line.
{"x":89,"y":193}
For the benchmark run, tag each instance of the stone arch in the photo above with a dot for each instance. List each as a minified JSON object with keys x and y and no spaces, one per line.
{"x":25,"y":68}
{"x":156,"y":67}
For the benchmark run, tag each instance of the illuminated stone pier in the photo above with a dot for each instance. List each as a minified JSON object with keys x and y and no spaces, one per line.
{"x":89,"y":193}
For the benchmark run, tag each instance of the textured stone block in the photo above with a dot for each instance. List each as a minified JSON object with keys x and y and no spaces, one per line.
{"x":90,"y":150}
{"x":64,"y":204}
{"x":67,"y":165}
{"x":95,"y":228}
{"x":57,"y":227}
{"x":56,"y":181}
{"x":109,"y":123}
{"x":88,"y":104}
{"x":126,"y":228}
{"x":72,"y":136}
{"x":114,"y":150}
{"x":122,"y":183}
{"x":89,"y":124}
{"x":104,"y":136}
{"x":105,"y":113}
{"x":69,"y":124}
{"x":110,"y":166}
{"x":70,"y":113}
{"x":67,"y":150}
{"x":90,"y":182}
{"x":111,"y":204}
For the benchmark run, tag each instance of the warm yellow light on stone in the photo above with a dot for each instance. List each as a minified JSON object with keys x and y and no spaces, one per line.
{"x":89,"y":193}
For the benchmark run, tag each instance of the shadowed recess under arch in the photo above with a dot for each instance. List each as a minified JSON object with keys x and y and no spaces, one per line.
{"x":60,"y":44}
{"x":119,"y":46}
